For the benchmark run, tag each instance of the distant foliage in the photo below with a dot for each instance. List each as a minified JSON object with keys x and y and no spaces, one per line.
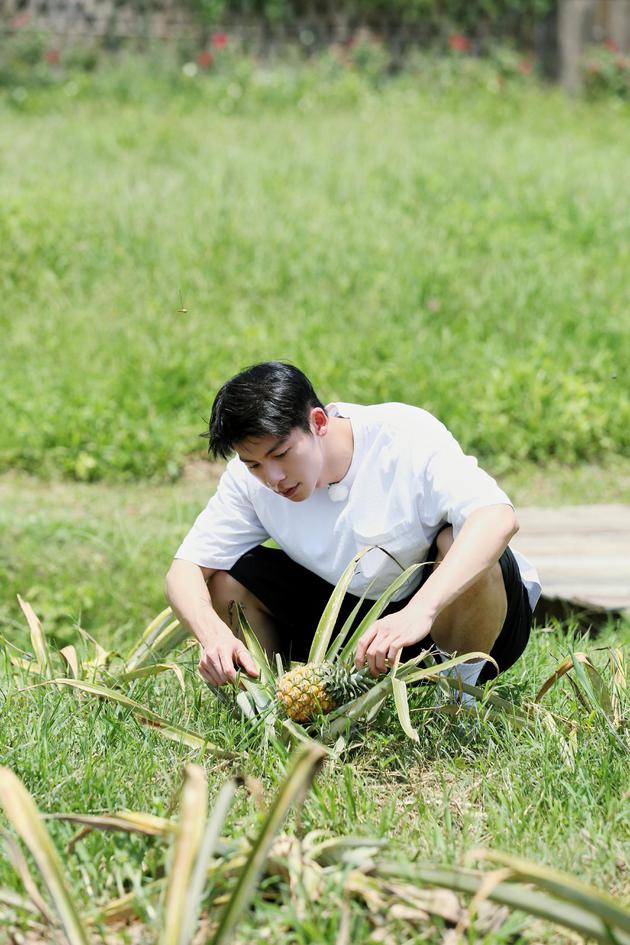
{"x":606,"y":71}
{"x":434,"y":14}
{"x":449,"y":236}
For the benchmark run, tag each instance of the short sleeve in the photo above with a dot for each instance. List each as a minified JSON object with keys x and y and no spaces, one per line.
{"x":227,"y":528}
{"x":454,"y":485}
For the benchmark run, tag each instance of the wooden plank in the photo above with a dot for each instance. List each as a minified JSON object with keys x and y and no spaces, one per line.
{"x":582,"y":553}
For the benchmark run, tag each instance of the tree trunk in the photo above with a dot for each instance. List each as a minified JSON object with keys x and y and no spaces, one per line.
{"x":573,"y":24}
{"x":619,"y":23}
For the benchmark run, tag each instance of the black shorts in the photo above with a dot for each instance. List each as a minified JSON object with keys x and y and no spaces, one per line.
{"x":296,"y":599}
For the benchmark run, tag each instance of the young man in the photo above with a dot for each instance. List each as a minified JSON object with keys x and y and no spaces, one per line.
{"x":325,"y":482}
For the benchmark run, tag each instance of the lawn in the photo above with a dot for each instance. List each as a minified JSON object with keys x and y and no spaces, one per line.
{"x":94,"y":555}
{"x":460,"y":244}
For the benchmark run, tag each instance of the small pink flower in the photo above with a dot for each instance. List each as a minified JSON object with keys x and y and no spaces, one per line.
{"x":219,"y":40}
{"x":52,"y":57}
{"x":204,"y":59}
{"x":459,"y":43}
{"x":611,"y":45}
{"x":20,"y":21}
{"x":525,"y":66}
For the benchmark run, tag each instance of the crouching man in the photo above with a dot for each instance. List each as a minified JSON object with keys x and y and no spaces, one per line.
{"x":323,"y":482}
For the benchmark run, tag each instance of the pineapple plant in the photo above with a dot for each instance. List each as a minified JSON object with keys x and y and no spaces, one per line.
{"x":325,"y":689}
{"x":318,"y":687}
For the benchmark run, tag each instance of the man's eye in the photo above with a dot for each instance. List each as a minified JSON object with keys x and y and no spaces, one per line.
{"x":280,"y":455}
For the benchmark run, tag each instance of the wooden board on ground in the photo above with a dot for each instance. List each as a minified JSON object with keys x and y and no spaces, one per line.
{"x":582,"y":553}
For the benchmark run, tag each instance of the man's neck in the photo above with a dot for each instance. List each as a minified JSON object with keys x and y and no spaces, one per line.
{"x":339,"y":447}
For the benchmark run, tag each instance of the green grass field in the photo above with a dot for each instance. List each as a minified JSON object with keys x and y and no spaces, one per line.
{"x":460,"y":244}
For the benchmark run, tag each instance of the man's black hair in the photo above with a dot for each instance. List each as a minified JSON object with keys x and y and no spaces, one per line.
{"x":270,"y":398}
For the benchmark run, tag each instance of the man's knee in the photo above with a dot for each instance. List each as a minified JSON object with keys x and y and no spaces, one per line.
{"x":443,"y":541}
{"x":224,"y":589}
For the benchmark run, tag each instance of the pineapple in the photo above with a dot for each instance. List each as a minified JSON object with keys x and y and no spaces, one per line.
{"x":318,"y":687}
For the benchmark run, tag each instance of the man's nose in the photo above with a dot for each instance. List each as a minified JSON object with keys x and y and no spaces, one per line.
{"x":275,"y":475}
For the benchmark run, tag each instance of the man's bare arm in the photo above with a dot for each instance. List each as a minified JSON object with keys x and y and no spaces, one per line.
{"x":187,"y":593}
{"x":479,"y":545}
{"x":482,"y":540}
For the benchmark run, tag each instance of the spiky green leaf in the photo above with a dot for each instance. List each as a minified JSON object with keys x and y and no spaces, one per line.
{"x":302,"y":768}
{"x":326,"y":625}
{"x":22,"y":812}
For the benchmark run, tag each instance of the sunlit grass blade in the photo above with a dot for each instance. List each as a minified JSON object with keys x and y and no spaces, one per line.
{"x":376,"y":610}
{"x":155,"y":626}
{"x":514,"y":895}
{"x":561,"y":670}
{"x":616,"y":659}
{"x":302,"y":768}
{"x":207,"y":849}
{"x":154,"y":669}
{"x":69,"y":654}
{"x":188,"y":841}
{"x":38,"y":637}
{"x":147,"y":825}
{"x":413,"y":674}
{"x":161,"y":636}
{"x":598,"y":690}
{"x":399,"y":691}
{"x":257,"y":652}
{"x":22,"y":812}
{"x":326,"y":625}
{"x":567,"y":887}
{"x":591,"y":690}
{"x":17,"y":902}
{"x":598,"y":698}
{"x":18,"y":861}
{"x":167,"y":729}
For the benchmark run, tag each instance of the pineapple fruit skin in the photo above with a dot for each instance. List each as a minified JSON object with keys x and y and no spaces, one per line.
{"x":315,"y":687}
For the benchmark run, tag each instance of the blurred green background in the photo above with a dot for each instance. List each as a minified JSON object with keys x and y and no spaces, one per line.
{"x":448,"y":237}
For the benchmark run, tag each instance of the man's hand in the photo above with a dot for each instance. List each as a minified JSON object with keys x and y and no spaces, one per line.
{"x":217,"y":665}
{"x":380,"y":645}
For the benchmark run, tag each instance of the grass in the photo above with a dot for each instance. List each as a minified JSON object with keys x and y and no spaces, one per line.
{"x":446,"y":239}
{"x":101,"y":550}
{"x":504,"y":787}
{"x":458,"y":244}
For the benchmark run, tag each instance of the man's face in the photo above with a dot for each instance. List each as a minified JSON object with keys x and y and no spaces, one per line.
{"x":292,"y":466}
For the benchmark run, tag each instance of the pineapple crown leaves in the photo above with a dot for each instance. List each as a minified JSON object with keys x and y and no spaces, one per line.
{"x":321,"y":648}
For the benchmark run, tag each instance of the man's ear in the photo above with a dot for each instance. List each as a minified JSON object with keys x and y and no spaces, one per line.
{"x":319,"y":421}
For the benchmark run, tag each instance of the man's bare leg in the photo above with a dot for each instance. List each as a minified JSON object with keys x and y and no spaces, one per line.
{"x":224,"y":590}
{"x":473,"y":621}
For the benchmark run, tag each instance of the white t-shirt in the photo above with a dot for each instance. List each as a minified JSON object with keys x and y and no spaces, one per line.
{"x":408,"y":477}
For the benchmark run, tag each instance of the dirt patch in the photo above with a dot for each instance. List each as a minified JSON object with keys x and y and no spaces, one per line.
{"x":197,"y":469}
